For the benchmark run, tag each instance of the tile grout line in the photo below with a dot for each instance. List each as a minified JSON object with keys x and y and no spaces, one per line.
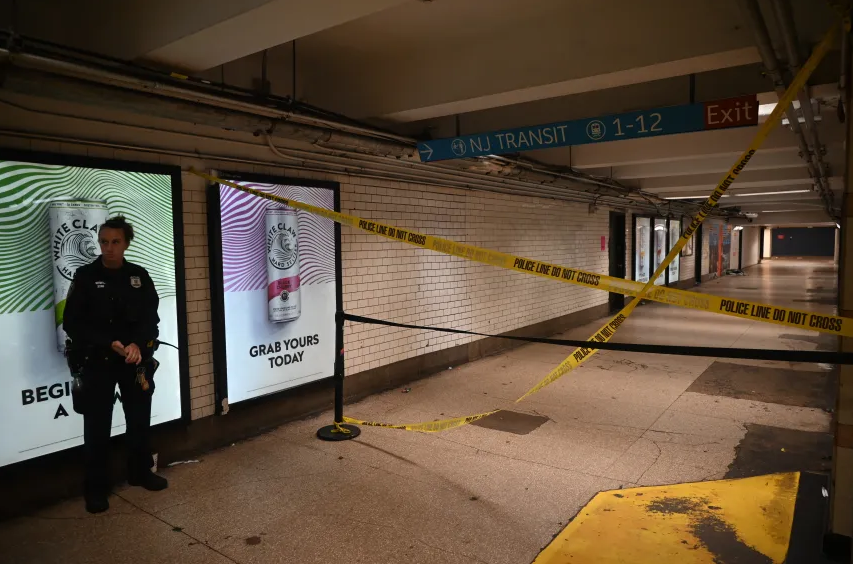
{"x":182,"y":531}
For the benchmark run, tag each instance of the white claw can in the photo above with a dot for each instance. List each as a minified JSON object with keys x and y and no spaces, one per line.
{"x":284,"y":301}
{"x":74,"y":224}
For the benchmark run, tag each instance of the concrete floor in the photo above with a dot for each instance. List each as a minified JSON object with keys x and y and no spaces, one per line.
{"x":472,"y":494}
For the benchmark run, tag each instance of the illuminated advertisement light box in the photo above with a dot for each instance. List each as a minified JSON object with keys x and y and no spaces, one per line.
{"x":51,"y":207}
{"x":275,"y":284}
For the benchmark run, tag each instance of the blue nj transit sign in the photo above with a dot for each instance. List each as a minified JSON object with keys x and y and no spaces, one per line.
{"x":732,"y":112}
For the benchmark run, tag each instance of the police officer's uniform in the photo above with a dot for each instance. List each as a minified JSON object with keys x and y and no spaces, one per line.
{"x":106,"y":305}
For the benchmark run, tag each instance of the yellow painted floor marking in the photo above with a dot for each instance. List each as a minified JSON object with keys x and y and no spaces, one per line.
{"x":746,"y":521}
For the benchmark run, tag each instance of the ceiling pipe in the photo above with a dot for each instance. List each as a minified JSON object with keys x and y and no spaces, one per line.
{"x":785,"y":19}
{"x":67,"y":88}
{"x":75,"y":70}
{"x":368,"y":166}
{"x":36,"y":76}
{"x":297,"y":163}
{"x":752,"y":12}
{"x":842,"y":75}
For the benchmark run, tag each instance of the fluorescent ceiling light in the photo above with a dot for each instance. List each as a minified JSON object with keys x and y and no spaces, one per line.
{"x":766,"y":109}
{"x":780,"y":211}
{"x":785,"y":121}
{"x":774,"y":193}
{"x":691,"y":197}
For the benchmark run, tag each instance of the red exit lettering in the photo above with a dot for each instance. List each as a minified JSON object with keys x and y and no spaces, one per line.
{"x":732,"y":112}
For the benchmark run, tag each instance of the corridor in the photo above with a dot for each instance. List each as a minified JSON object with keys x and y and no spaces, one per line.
{"x":496,"y":491}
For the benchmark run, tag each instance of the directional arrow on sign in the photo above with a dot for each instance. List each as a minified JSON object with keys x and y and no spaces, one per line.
{"x":425,"y":151}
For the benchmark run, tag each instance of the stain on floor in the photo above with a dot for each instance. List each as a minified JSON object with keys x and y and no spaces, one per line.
{"x":714,"y":534}
{"x":770,"y":385}
{"x":824,"y":342}
{"x":512,"y":422}
{"x":723,"y":542}
{"x":761,"y":452}
{"x":822,"y":301}
{"x":683,"y":505}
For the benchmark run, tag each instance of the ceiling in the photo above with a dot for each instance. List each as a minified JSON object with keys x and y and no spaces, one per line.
{"x":442,"y":68}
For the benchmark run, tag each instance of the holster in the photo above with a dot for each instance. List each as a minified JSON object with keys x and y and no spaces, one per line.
{"x":145,"y":374}
{"x":76,"y":358}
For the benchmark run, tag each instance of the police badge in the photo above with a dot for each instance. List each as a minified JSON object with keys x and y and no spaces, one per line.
{"x":135,"y":282}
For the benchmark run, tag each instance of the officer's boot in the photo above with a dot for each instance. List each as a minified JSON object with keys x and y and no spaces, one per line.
{"x":96,"y":502}
{"x":148,"y":480}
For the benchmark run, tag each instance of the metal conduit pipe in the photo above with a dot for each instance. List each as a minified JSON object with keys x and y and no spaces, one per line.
{"x":520,"y":164}
{"x":349,"y":170}
{"x":771,"y":64}
{"x":363,"y":172}
{"x":623,"y":195}
{"x":785,"y":18}
{"x":75,"y":90}
{"x":38,"y":83}
{"x":186,"y":105}
{"x":348,"y":166}
{"x":427,"y":174}
{"x":842,"y":75}
{"x":75,"y":70}
{"x":513,"y":176}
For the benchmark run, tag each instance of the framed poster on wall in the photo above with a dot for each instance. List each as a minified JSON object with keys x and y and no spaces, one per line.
{"x":652,"y":239}
{"x":51,"y":207}
{"x":690,"y":247}
{"x":660,"y":235}
{"x":675,"y":265}
{"x":276,"y":286}
{"x":642,"y":255}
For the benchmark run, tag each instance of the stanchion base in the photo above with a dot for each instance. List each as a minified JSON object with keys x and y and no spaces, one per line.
{"x":331,"y":433}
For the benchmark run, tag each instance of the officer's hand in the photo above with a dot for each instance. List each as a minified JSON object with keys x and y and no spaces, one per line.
{"x":133,"y":356}
{"x":118,"y":348}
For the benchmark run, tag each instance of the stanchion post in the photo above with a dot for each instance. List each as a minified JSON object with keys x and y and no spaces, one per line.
{"x":339,"y":431}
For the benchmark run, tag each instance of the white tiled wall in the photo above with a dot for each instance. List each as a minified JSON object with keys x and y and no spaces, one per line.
{"x":398,"y":282}
{"x":751,"y":246}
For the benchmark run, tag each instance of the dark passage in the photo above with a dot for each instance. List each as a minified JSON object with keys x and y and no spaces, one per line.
{"x":512,"y":422}
{"x":782,"y":386}
{"x":770,"y":450}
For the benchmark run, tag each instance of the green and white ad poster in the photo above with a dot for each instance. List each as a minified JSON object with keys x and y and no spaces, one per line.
{"x":49,"y":220}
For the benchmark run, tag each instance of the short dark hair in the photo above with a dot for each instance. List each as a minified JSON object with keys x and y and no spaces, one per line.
{"x":119,"y":222}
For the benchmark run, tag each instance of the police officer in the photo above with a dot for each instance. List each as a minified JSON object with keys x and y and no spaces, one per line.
{"x":111,"y":318}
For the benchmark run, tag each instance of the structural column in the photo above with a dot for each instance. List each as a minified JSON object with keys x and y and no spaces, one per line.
{"x":842,"y":474}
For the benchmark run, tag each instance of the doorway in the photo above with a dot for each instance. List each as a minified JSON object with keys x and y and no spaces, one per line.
{"x":697,"y":255}
{"x":616,"y":251}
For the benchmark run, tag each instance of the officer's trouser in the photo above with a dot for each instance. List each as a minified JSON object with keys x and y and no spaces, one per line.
{"x":100,"y":385}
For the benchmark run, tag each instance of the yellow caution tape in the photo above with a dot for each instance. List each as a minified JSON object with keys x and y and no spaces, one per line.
{"x":428,"y":427}
{"x":739,"y":308}
{"x":745,"y":309}
{"x":609,"y":329}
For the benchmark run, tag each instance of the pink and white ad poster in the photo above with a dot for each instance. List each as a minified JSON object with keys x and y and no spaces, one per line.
{"x":279,"y":289}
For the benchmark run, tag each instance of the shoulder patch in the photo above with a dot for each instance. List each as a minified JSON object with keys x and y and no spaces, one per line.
{"x":135,"y":281}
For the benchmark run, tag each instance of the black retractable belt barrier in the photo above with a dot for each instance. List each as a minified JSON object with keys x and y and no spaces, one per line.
{"x":825,"y":357}
{"x":338,"y":431}
{"x":341,"y":432}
